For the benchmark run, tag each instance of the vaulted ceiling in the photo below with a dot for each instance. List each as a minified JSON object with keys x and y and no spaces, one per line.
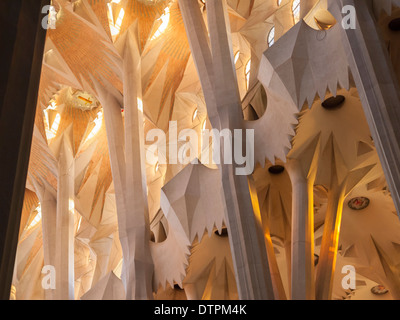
{"x":85,"y":47}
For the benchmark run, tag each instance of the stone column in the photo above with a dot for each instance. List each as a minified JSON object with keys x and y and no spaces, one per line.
{"x":336,"y":185}
{"x":20,"y":63}
{"x":139,"y":263}
{"x":377,"y":86}
{"x":48,"y":204}
{"x":279,"y":290}
{"x":288,"y":257}
{"x":49,"y":215}
{"x":277,"y":284}
{"x":128,"y":169}
{"x":218,"y":79}
{"x":302,"y":253}
{"x":329,"y":244}
{"x":65,"y":275}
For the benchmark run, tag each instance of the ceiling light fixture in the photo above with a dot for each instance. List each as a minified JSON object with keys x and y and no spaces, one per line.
{"x":379,"y":290}
{"x":277,"y":169}
{"x":333,"y":102}
{"x":394,"y":25}
{"x":358,"y":203}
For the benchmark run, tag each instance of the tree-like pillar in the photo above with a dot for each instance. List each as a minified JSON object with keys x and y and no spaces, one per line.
{"x":116,"y":144}
{"x":330,"y":238}
{"x":277,"y":284}
{"x":49,"y":215}
{"x":279,"y":290}
{"x":302,"y":245}
{"x":217,"y":75}
{"x":126,"y":148}
{"x":329,"y":244}
{"x":139,"y":263}
{"x":48,"y":204}
{"x":23,"y":40}
{"x":65,"y":276}
{"x":377,"y":86}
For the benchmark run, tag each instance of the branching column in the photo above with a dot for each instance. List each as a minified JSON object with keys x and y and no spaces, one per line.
{"x":23,"y":40}
{"x":277,"y":284}
{"x":128,"y":169}
{"x":218,"y":79}
{"x":65,"y":276}
{"x":330,"y":240}
{"x":377,"y":86}
{"x":48,"y":204}
{"x":140,"y":270}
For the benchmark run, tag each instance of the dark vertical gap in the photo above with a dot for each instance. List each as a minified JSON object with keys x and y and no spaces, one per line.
{"x":22,"y":38}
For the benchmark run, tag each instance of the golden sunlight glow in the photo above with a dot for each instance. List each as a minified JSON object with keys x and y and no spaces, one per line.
{"x":195,"y":114}
{"x":237,"y":55}
{"x":296,"y":10}
{"x":98,"y":122}
{"x":115,"y":26}
{"x":248,"y":68}
{"x":51,"y":132}
{"x":118,"y":23}
{"x":79,"y":223}
{"x":203,"y":128}
{"x":71,"y":206}
{"x":140,"y":104}
{"x":165,"y":20}
{"x":37,"y":218}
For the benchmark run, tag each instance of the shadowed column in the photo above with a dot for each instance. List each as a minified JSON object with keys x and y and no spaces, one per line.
{"x":21,"y":58}
{"x":377,"y":86}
